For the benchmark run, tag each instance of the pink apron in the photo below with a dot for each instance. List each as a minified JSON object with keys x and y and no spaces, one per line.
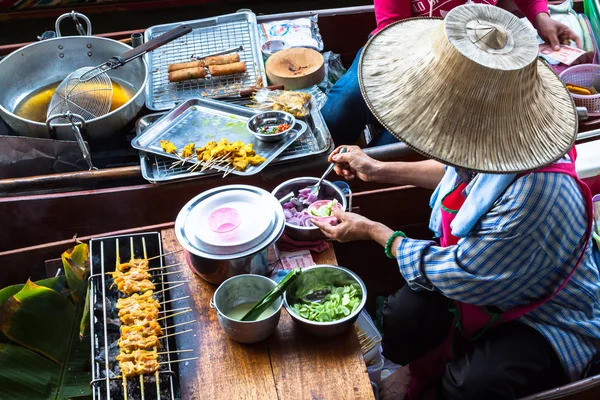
{"x":473,"y":321}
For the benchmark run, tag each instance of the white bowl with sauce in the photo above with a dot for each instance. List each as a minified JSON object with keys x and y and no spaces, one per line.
{"x":235,"y":297}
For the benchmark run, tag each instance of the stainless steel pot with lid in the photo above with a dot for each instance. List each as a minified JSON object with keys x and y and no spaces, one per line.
{"x":231,"y":230}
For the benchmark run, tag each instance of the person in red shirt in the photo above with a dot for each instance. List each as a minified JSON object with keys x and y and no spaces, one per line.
{"x":346,"y":112}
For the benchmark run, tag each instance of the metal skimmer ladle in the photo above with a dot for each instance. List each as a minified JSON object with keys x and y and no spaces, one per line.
{"x":314,"y":189}
{"x":87,"y":92}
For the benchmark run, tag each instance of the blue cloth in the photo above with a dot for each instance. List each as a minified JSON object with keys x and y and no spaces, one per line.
{"x":520,"y":250}
{"x":481,"y":193}
{"x":346,"y":113}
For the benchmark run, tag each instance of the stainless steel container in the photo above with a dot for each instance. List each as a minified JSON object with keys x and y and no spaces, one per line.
{"x":248,"y":248}
{"x":315,"y":278}
{"x":37,"y":65}
{"x":244,"y":289}
{"x":328,"y":191}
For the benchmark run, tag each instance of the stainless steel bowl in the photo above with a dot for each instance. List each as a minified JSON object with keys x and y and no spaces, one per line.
{"x":315,"y":278}
{"x":328,"y":191}
{"x":244,"y":289}
{"x":271,"y":118}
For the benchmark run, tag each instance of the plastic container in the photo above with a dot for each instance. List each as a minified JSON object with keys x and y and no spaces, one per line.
{"x":584,"y":75}
{"x":224,"y":220}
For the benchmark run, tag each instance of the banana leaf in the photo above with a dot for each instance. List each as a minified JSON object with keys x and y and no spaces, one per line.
{"x":19,"y":366}
{"x":26,"y":375}
{"x":39,"y":319}
{"x":58,"y":284}
{"x":76,"y":264}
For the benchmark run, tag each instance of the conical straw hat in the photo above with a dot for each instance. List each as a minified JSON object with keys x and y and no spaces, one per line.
{"x":469,"y":91}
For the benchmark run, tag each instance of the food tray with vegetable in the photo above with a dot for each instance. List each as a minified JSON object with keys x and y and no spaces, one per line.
{"x":202,"y":134}
{"x":235,"y":71}
{"x":157,"y":168}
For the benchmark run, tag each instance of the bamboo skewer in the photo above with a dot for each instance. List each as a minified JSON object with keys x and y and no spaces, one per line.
{"x":163,"y":255}
{"x":172,"y":282}
{"x":169,"y":301}
{"x":172,"y":315}
{"x":176,"y":361}
{"x":183,"y":323}
{"x":174,"y":351}
{"x":165,"y":267}
{"x":175,"y":333}
{"x":173,"y":310}
{"x":173,"y":287}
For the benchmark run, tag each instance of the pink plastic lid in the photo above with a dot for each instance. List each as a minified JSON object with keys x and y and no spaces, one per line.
{"x":224,"y":220}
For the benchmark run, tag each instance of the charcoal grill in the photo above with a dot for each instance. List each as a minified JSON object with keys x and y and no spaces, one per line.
{"x":107,"y":382}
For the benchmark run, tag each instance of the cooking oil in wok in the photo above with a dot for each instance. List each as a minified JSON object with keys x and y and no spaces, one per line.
{"x":34,"y":107}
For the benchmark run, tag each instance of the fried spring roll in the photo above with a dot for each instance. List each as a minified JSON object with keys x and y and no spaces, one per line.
{"x":186,"y":65}
{"x":187,"y":74}
{"x":221,"y":60}
{"x":227,"y":69}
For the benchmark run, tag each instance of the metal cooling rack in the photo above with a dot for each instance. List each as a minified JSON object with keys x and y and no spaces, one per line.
{"x":208,"y":36}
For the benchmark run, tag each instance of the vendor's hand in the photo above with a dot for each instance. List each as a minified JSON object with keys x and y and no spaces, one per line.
{"x":354,"y":163}
{"x":554,"y":32}
{"x":350,"y":227}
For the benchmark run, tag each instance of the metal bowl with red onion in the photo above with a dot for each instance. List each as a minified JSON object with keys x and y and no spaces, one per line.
{"x":297,"y":218}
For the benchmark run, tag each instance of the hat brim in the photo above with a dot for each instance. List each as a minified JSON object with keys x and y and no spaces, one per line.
{"x":497,"y":129}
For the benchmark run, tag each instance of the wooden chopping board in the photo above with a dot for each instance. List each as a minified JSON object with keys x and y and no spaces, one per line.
{"x":295,"y":68}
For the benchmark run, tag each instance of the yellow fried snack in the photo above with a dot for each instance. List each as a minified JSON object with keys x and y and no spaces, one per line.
{"x":188,"y":150}
{"x":236,"y":154}
{"x":168,"y":146}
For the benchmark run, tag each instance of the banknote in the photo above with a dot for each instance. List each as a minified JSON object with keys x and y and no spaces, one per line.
{"x":297,"y":259}
{"x":566,"y":55}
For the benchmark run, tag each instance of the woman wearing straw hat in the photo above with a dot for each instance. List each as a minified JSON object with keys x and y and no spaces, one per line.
{"x":508,"y":302}
{"x":346,"y":113}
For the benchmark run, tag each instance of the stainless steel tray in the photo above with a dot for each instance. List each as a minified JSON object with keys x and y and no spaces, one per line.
{"x":201,"y":121}
{"x":156,"y":168}
{"x":208,"y":36}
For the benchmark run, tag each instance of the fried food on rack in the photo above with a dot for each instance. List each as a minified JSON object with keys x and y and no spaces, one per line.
{"x":136,"y":341}
{"x":145,"y":328}
{"x":168,"y":146}
{"x":188,"y":150}
{"x":129,"y":287}
{"x":138,"y":362}
{"x":135,"y":262}
{"x":130,"y":369}
{"x":138,"y":314}
{"x":137,"y":299}
{"x":134,"y":274}
{"x":237,"y":154}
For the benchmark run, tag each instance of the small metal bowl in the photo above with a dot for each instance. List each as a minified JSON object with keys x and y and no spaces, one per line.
{"x":315,"y":278}
{"x":271,"y":118}
{"x":244,"y":289}
{"x":328,"y":191}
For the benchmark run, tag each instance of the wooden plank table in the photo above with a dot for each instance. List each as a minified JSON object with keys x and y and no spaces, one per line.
{"x":290,"y":364}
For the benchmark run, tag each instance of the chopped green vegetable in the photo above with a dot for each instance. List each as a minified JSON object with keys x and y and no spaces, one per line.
{"x":326,"y":210}
{"x":338,"y":304}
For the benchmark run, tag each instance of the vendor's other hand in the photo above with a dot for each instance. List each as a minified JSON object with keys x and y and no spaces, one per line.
{"x":554,"y":32}
{"x":350,"y":227}
{"x":354,"y":163}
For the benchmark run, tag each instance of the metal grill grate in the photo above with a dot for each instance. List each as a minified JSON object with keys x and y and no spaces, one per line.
{"x":221,"y":33}
{"x":105,"y":325}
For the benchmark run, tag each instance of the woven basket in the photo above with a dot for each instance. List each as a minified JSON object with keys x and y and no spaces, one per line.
{"x":586,"y":75}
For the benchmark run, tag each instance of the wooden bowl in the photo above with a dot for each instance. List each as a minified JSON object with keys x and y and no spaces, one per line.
{"x":295,"y":68}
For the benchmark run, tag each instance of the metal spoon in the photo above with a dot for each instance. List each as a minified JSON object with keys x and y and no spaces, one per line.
{"x":314,"y":189}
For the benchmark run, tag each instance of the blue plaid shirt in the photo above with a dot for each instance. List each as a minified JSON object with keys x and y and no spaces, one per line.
{"x":519,"y":252}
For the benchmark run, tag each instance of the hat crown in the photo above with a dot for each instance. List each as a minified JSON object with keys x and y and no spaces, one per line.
{"x":486,"y":35}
